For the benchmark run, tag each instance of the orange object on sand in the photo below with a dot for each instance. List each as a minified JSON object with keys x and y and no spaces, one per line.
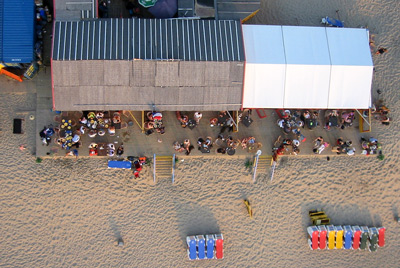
{"x":10,"y":74}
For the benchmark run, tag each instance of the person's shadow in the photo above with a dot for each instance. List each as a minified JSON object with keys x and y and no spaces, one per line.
{"x":115,"y":229}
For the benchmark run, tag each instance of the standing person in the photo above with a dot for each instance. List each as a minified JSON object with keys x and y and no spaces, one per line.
{"x":187,"y":146}
{"x":381,"y":50}
{"x":197,"y":117}
{"x":317,"y":144}
{"x":120,"y":150}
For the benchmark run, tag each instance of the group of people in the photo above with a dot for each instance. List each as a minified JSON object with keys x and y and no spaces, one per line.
{"x":110,"y":149}
{"x":344,"y":147}
{"x":370,"y":146}
{"x":186,"y":122}
{"x":205,"y":145}
{"x":319,"y":145}
{"x":46,"y":133}
{"x":224,"y":120}
{"x":99,"y":123}
{"x":290,"y":121}
{"x":185,"y":147}
{"x":154,"y":123}
{"x":333,"y":118}
{"x":287,"y":146}
{"x":381,"y":113}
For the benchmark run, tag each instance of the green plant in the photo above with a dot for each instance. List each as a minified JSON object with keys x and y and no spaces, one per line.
{"x":248,"y":164}
{"x":39,"y":160}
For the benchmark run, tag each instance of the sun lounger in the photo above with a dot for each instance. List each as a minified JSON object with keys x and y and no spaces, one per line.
{"x":119,"y":164}
{"x":322,"y":236}
{"x":348,"y":237}
{"x":364,"y":237}
{"x":331,"y":236}
{"x":219,"y":246}
{"x":201,"y":247}
{"x":192,"y":252}
{"x":321,"y":221}
{"x":381,"y":236}
{"x":313,"y":232}
{"x":373,"y":239}
{"x":339,"y":237}
{"x":356,"y":237}
{"x":210,"y":246}
{"x":316,"y":213}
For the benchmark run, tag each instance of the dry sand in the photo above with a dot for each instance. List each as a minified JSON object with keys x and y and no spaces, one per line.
{"x":66,"y":213}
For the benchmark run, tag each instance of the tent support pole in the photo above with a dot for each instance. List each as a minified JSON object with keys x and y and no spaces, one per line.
{"x":363,"y":117}
{"x":232,"y":120}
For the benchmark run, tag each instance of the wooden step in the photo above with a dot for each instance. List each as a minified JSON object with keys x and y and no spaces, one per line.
{"x":264,"y":161}
{"x":164,"y":166}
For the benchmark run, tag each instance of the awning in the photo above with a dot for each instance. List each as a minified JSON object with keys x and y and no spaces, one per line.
{"x":306,"y":67}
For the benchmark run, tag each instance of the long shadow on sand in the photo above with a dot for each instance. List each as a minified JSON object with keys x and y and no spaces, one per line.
{"x":351,"y":214}
{"x":114,"y":228}
{"x":194,"y":219}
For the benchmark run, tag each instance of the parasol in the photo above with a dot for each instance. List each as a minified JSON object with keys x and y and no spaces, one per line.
{"x":147,"y":3}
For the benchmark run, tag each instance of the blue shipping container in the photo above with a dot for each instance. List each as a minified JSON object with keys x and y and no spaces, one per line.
{"x":17,"y":31}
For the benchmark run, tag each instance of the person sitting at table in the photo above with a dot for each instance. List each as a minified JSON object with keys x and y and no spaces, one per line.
{"x":82,"y":130}
{"x":208,"y":142}
{"x":347,"y":119}
{"x":116,"y":118}
{"x":318,"y":141}
{"x":184,"y":121}
{"x":99,"y":115}
{"x":305,"y":115}
{"x":93,"y":145}
{"x":111,"y":146}
{"x":76,"y":138}
{"x":60,"y":141}
{"x":200,"y":141}
{"x":161,"y":130}
{"x":93,"y":152}
{"x":221,"y":151}
{"x":91,"y":116}
{"x":83,"y":120}
{"x":111,"y":131}
{"x":213,"y":122}
{"x":110,"y":152}
{"x":177,"y":147}
{"x":101,"y":132}
{"x":148,"y":125}
{"x":230,"y":142}
{"x":92,"y":133}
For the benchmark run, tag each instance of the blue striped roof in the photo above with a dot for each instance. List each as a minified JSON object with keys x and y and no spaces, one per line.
{"x":149,"y":39}
{"x":17,"y":19}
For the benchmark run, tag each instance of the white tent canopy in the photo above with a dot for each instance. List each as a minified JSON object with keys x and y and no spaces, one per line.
{"x":306,"y":67}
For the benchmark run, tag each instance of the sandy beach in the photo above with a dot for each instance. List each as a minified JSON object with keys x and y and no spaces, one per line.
{"x":69,"y":213}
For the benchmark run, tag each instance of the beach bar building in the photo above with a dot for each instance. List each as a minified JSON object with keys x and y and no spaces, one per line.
{"x":207,"y":65}
{"x":138,"y":64}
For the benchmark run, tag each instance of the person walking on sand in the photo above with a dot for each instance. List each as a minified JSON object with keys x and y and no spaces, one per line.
{"x":381,"y":50}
